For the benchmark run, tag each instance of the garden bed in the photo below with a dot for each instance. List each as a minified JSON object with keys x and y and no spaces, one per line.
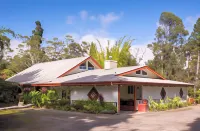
{"x":49,"y":99}
{"x":167,"y":104}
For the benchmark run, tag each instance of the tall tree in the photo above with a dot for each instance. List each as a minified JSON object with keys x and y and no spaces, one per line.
{"x":55,"y":49}
{"x":75,"y":49}
{"x":168,"y":50}
{"x":193,"y":48}
{"x":33,"y":45}
{"x":5,"y":40}
{"x":119,"y":52}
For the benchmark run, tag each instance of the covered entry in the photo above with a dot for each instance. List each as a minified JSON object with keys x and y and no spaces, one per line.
{"x":130,"y":96}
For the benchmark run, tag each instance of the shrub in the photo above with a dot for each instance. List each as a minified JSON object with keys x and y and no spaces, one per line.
{"x":52,"y":95}
{"x":166,"y":104}
{"x":26,"y":98}
{"x":44,"y":99}
{"x":152,"y":104}
{"x":63,"y":102}
{"x":110,"y":107}
{"x":36,"y":98}
{"x":92,"y":106}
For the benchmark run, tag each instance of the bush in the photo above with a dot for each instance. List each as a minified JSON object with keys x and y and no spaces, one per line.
{"x":26,"y":98}
{"x":63,"y":102}
{"x":36,"y":98}
{"x":52,"y":95}
{"x":40,"y":99}
{"x":109,"y":107}
{"x":167,"y":104}
{"x":92,"y":106}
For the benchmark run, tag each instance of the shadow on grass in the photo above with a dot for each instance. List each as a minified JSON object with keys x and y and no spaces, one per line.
{"x":53,"y":120}
{"x":194,"y":126}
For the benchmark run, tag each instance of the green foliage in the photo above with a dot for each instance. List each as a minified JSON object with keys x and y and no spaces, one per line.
{"x":36,"y":98}
{"x":191,"y":93}
{"x":63,"y":102}
{"x":168,"y":48}
{"x":121,"y":52}
{"x":27,"y":98}
{"x":52,"y":95}
{"x":92,"y":106}
{"x":40,"y":99}
{"x":167,"y":104}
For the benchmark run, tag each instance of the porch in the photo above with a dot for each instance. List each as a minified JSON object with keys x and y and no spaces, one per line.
{"x":129,"y":96}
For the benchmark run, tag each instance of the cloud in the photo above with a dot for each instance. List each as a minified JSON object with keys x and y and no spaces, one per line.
{"x":93,"y":38}
{"x":109,"y":18}
{"x":70,"y":19}
{"x":190,"y":21}
{"x":103,"y":19}
{"x":93,"y":17}
{"x":83,"y":14}
{"x":14,"y":45}
{"x":142,"y":53}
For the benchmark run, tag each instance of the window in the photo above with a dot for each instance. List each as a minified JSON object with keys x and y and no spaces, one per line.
{"x":138,"y":72}
{"x":144,"y":73}
{"x":130,"y":90}
{"x":83,"y":66}
{"x":141,"y":72}
{"x":90,"y":66}
{"x":63,"y":93}
{"x":163,"y":93}
{"x":181,"y":93}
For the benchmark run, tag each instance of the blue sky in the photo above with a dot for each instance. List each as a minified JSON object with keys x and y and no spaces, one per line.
{"x":89,"y":19}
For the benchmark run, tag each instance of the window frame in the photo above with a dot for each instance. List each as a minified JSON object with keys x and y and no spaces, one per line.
{"x":130,"y":89}
{"x":83,"y":67}
{"x":141,"y":73}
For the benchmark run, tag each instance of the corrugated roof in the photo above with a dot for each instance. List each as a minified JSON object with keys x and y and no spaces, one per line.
{"x":46,"y":71}
{"x":93,"y":75}
{"x":102,"y":75}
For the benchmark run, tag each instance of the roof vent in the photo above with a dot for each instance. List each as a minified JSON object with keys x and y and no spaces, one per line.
{"x":110,"y":64}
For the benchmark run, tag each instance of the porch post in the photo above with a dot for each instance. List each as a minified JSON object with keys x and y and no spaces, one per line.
{"x":118,"y":102}
{"x":135,"y":104}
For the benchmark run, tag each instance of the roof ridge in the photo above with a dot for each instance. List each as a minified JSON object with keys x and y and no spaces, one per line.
{"x":60,"y":60}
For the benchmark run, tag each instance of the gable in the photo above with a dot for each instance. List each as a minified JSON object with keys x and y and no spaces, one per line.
{"x":46,"y":71}
{"x":144,"y":72}
{"x":83,"y":66}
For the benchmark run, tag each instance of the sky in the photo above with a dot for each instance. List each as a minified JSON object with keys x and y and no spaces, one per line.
{"x":88,"y":20}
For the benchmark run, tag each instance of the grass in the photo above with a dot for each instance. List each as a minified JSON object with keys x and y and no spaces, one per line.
{"x":6,"y":112}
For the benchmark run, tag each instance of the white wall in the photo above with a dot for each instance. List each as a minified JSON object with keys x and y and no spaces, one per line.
{"x":110,"y":93}
{"x":124,"y":93}
{"x":77,"y":69}
{"x":154,"y":92}
{"x":149,"y":74}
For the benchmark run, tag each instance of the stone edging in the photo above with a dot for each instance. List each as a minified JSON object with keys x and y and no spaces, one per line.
{"x":16,"y":107}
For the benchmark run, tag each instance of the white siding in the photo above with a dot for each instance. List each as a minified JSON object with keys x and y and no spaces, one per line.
{"x":124,"y":93}
{"x":154,"y":92}
{"x":78,"y":70}
{"x":149,"y":74}
{"x":110,"y":93}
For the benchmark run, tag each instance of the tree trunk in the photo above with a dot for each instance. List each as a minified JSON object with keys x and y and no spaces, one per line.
{"x":197,"y":73}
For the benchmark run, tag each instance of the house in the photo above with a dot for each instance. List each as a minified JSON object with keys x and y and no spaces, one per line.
{"x":125,"y":87}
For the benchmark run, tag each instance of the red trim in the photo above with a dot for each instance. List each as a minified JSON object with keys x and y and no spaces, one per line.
{"x":144,"y":67}
{"x":135,"y":98}
{"x":118,"y":102}
{"x":107,"y":83}
{"x":155,"y":73}
{"x":96,"y":62}
{"x":80,"y":64}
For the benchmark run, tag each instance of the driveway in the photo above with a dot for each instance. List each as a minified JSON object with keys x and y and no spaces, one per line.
{"x":185,"y":119}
